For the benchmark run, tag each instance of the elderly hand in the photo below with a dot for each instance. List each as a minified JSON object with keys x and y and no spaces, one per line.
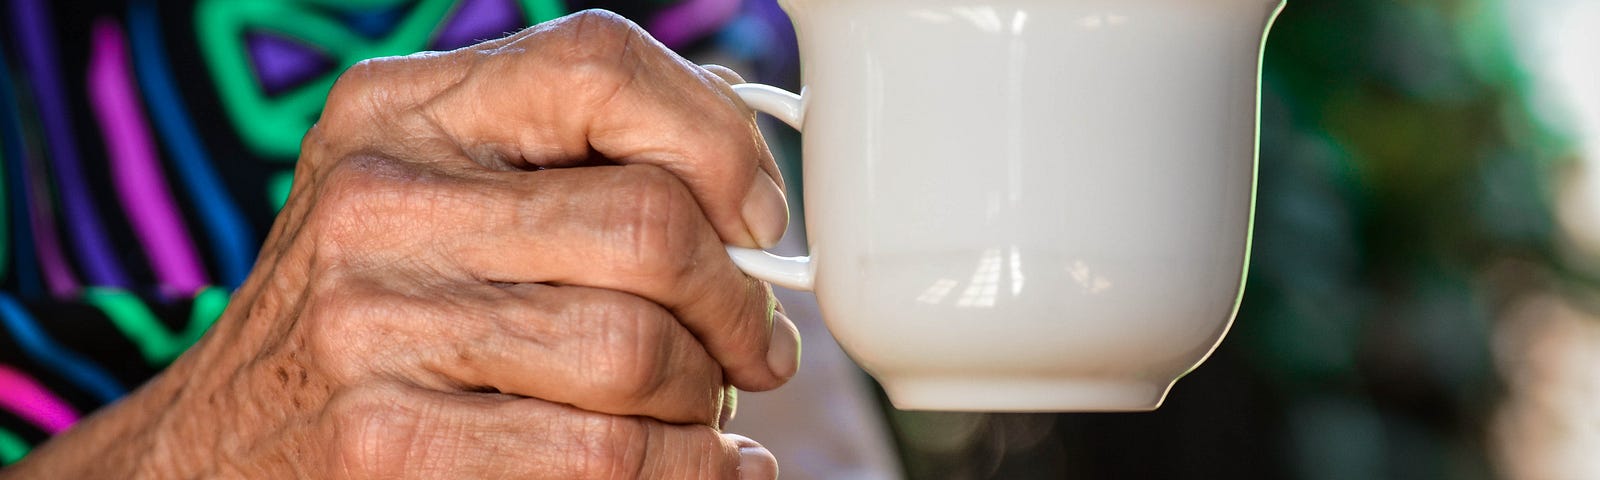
{"x":501,"y":261}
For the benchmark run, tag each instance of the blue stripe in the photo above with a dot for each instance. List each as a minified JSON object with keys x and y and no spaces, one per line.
{"x":231,"y":237}
{"x":26,"y":262}
{"x":66,"y":363}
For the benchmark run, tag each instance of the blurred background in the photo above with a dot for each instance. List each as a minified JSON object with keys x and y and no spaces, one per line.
{"x":1424,"y":293}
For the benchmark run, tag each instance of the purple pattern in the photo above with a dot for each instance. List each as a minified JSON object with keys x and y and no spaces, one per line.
{"x":476,"y":20}
{"x":691,"y":20}
{"x":35,"y":33}
{"x":282,"y":63}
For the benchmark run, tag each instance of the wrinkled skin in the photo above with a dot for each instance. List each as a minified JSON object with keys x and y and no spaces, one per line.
{"x":501,"y":261}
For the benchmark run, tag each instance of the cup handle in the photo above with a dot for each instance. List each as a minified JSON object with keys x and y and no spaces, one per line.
{"x":790,"y":272}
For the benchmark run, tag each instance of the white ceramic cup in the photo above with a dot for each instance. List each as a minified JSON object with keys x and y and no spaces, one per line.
{"x":1024,"y":205}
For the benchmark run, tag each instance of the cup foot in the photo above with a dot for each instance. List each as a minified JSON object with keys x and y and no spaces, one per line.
{"x":1025,"y":395}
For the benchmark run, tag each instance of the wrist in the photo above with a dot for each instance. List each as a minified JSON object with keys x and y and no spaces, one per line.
{"x":114,"y":442}
{"x":156,"y":431}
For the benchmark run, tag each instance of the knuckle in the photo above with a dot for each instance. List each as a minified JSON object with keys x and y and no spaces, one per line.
{"x":353,"y":93}
{"x":655,"y":218}
{"x":629,"y":363}
{"x":599,"y":21}
{"x":373,"y":432}
{"x":367,"y":200}
{"x":349,"y":198}
{"x":377,"y":90}
{"x":613,"y":447}
{"x":597,"y":48}
{"x":597,"y":31}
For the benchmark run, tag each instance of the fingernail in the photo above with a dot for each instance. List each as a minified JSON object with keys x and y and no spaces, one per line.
{"x":783,"y":354}
{"x":756,"y":463}
{"x":765,"y":212}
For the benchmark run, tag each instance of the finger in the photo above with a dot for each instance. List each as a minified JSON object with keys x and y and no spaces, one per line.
{"x":595,"y":83}
{"x":634,"y":229}
{"x":599,"y":350}
{"x":651,"y":242}
{"x":627,"y":355}
{"x":398,"y":432}
{"x":755,"y":461}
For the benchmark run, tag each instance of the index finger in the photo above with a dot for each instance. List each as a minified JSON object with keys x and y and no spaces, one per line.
{"x":593,"y":84}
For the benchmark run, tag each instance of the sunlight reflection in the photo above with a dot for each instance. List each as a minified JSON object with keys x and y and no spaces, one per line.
{"x":1087,"y":279}
{"x":936,"y":292}
{"x":985,"y":283}
{"x":985,"y":18}
{"x":1016,"y":272}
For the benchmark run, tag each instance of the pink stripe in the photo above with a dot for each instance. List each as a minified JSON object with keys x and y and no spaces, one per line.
{"x":135,"y":171}
{"x":22,"y":395}
{"x":687,"y":21}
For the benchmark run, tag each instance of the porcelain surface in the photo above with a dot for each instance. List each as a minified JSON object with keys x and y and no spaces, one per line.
{"x":1024,"y":205}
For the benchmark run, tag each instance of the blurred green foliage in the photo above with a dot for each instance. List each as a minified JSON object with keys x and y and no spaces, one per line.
{"x":1399,"y":165}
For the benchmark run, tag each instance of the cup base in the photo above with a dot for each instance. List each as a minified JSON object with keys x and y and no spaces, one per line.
{"x":1025,"y":395}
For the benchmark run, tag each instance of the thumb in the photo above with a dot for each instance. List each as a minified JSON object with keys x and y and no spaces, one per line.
{"x":590,"y":83}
